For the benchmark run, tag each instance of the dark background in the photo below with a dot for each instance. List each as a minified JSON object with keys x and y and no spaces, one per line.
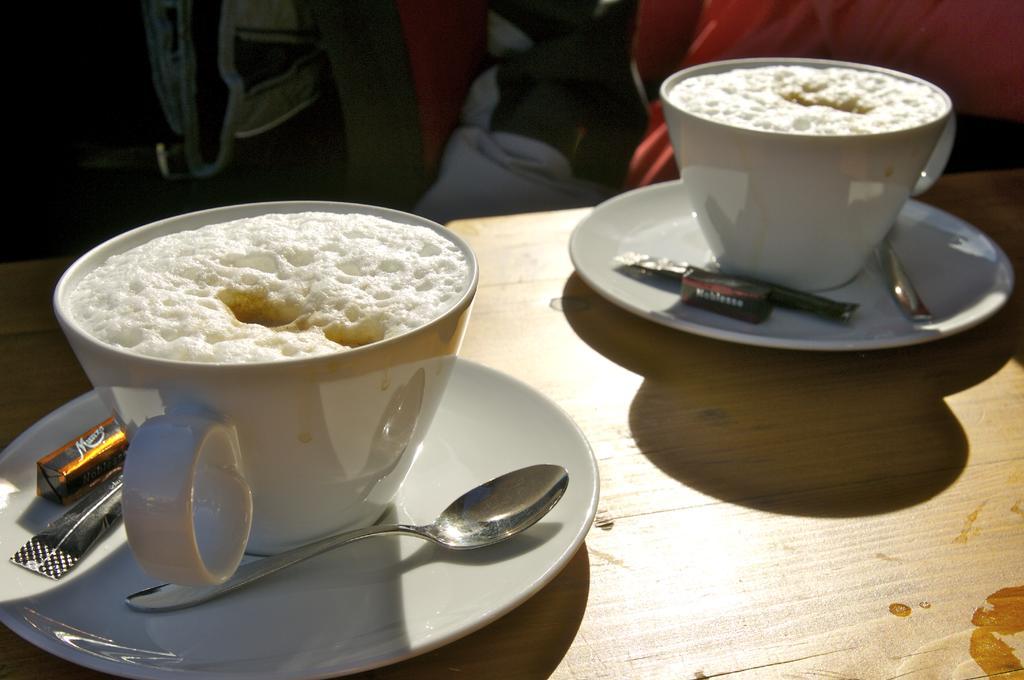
{"x":84,"y":149}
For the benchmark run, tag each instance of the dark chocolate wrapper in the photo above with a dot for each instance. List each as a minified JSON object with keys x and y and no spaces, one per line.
{"x":56,"y":550}
{"x":738,"y":298}
{"x":777,"y":295}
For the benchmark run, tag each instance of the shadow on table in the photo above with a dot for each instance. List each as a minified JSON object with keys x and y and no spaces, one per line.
{"x":829,"y":434}
{"x":528,"y":642}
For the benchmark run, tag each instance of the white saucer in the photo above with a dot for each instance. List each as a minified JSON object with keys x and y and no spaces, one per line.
{"x":962,"y":275}
{"x":366,"y":605}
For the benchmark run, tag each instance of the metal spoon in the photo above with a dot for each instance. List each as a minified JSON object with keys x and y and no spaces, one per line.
{"x":900,"y":286}
{"x":483,"y":516}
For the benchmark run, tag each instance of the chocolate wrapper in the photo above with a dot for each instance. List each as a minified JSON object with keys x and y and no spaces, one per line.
{"x":57,"y":549}
{"x":66,"y":474}
{"x":741,"y":287}
{"x":738,"y":298}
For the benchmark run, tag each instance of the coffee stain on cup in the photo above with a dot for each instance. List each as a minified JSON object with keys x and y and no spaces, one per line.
{"x":397,"y":425}
{"x":969,"y":529}
{"x":1002,"y":616}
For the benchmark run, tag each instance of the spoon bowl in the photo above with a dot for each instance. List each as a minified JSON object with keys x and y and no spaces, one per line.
{"x":487,"y":514}
{"x":499,"y":509}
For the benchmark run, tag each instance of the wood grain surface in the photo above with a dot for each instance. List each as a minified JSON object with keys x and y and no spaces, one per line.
{"x":764,"y":513}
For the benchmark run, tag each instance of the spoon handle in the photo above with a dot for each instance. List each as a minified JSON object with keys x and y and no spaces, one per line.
{"x":900,"y":286}
{"x":170,"y":596}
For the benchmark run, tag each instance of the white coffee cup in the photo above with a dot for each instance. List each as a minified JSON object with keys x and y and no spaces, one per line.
{"x":800,"y":210}
{"x":226,"y":458}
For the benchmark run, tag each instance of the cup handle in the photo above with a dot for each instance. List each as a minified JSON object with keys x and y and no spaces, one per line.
{"x":187,"y":507}
{"x":940,"y":156}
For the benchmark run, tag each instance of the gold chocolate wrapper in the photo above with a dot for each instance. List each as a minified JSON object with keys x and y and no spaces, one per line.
{"x":67,"y":473}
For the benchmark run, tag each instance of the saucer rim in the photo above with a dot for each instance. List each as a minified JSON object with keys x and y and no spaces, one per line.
{"x":584,"y":511}
{"x":707,"y":324}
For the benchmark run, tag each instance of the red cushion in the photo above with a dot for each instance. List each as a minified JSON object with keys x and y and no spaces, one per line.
{"x":446,"y":44}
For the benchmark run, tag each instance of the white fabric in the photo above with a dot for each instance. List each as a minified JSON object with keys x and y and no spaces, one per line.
{"x":497,"y":173}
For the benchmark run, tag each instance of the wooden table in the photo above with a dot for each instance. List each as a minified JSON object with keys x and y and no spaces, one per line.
{"x":764,"y":513}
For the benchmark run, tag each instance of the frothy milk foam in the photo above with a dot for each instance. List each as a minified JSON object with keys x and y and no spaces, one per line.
{"x":806,"y":100}
{"x":271,"y":287}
